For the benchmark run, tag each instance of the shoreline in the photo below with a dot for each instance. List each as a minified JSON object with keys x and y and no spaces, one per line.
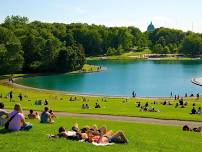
{"x":145,"y":57}
{"x":5,"y":82}
{"x":19,"y":86}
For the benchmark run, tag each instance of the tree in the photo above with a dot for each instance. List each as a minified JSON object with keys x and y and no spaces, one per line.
{"x":11,"y":54}
{"x":70,"y":58}
{"x":192,"y":45}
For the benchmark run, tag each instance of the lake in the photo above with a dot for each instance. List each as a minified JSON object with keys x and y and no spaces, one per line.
{"x":121,"y":78}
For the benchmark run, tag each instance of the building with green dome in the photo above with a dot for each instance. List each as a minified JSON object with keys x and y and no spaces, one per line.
{"x":150,"y":28}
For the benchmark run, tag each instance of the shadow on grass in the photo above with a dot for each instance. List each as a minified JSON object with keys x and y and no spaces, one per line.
{"x":4,"y":131}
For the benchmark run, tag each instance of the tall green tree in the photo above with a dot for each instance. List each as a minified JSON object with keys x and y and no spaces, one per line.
{"x":11,"y":54}
{"x":192,"y":45}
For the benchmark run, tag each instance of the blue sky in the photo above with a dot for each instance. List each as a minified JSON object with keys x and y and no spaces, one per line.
{"x":180,"y":14}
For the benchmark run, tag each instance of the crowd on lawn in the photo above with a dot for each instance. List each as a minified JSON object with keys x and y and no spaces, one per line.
{"x":91,"y":134}
{"x":146,"y":107}
{"x":16,"y":121}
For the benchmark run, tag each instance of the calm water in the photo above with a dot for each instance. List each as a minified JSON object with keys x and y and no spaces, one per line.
{"x":147,"y":78}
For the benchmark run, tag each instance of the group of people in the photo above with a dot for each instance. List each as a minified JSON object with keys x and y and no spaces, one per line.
{"x":39,"y":102}
{"x":47,"y":115}
{"x":146,"y":107}
{"x":15,"y":120}
{"x":177,"y":97}
{"x":194,"y":111}
{"x":85,"y":106}
{"x":91,"y":134}
{"x":10,"y":96}
{"x":187,"y":128}
{"x":181,"y":103}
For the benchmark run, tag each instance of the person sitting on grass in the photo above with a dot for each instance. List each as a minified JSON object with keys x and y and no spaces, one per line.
{"x":16,"y":120}
{"x":193,"y":111}
{"x":46,"y":102}
{"x":33,"y":115}
{"x":20,"y":96}
{"x":38,"y":102}
{"x":199,"y":111}
{"x":138,"y":104}
{"x":187,"y":128}
{"x":52,"y":114}
{"x":197,"y":95}
{"x":153,"y":110}
{"x":83,"y":106}
{"x":97,"y":105}
{"x":3,"y":115}
{"x":181,"y":102}
{"x":177,"y":104}
{"x":45,"y":116}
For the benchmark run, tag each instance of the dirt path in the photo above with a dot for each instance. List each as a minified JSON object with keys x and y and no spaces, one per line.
{"x":130,"y":119}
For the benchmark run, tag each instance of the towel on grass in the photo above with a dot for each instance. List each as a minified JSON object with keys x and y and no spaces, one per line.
{"x":102,"y":144}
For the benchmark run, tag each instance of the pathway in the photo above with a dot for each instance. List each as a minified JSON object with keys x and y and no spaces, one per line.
{"x":130,"y":119}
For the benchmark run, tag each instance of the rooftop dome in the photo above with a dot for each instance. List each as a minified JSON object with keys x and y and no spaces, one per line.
{"x":150,"y":28}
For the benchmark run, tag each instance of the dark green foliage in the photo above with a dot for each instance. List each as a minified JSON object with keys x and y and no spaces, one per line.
{"x":192,"y":44}
{"x":70,"y":58}
{"x":45,"y":47}
{"x":166,"y":41}
{"x":11,"y":54}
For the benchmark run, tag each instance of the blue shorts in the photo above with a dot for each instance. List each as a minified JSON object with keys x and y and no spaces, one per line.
{"x":113,"y":139}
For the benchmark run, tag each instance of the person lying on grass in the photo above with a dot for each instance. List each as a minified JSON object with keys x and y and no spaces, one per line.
{"x":103,"y":136}
{"x":91,"y":134}
{"x":46,"y":116}
{"x":3,"y":115}
{"x":16,"y":120}
{"x":70,"y":134}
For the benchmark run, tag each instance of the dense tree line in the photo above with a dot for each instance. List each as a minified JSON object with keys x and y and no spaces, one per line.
{"x":164,"y":41}
{"x":56,"y":47}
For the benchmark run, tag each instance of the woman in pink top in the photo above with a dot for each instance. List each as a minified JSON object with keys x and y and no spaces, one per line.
{"x":18,"y":120}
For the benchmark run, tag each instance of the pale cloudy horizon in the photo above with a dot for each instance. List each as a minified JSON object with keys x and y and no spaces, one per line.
{"x":185,"y":15}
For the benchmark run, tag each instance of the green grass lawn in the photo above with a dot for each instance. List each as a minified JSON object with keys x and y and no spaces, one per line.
{"x":142,"y":138}
{"x":113,"y":106}
{"x":138,"y":55}
{"x":125,"y":56}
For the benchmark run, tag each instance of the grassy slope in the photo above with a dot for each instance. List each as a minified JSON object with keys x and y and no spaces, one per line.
{"x":114,"y":106}
{"x":142,"y":138}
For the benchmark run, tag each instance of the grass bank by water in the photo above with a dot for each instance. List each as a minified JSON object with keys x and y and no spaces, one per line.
{"x":144,"y":55}
{"x":113,"y":106}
